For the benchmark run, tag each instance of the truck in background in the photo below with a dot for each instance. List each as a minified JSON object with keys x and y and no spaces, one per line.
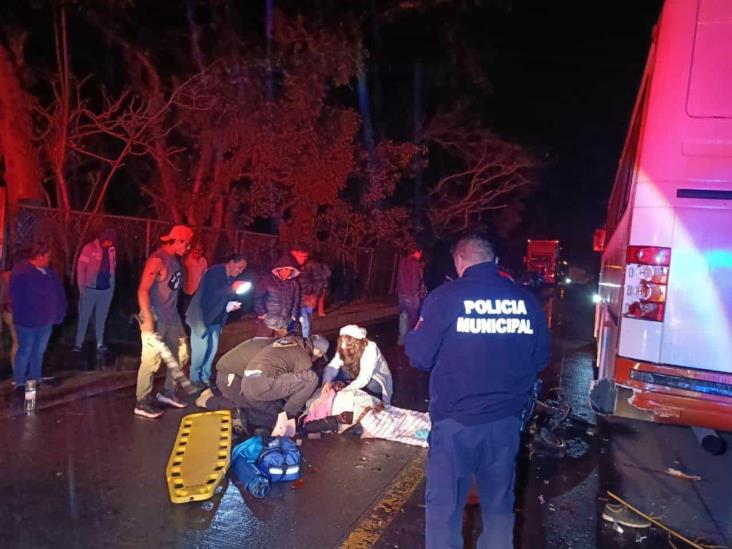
{"x":542,"y":258}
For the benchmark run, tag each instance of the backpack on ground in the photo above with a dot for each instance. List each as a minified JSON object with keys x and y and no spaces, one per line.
{"x":244,"y":457}
{"x":280,"y":460}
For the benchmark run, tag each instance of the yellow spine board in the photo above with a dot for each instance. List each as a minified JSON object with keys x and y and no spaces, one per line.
{"x":200,"y":456}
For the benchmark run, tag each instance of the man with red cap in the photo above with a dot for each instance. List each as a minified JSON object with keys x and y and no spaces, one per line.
{"x":157,"y":296}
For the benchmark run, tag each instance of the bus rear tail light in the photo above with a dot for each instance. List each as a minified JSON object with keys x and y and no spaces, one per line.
{"x":646,"y":280}
{"x":653,"y":275}
{"x":651,"y":292}
{"x":643,"y":310}
{"x":649,"y":255}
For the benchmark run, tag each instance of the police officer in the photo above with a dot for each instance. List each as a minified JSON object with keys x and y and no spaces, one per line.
{"x":484,"y":339}
{"x":229,"y":374}
{"x":280,"y":377}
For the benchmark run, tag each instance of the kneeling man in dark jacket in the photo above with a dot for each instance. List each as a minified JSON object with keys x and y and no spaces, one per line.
{"x":229,"y":374}
{"x":282,"y":371}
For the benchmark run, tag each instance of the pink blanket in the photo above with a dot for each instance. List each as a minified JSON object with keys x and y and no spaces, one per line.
{"x":321,"y":408}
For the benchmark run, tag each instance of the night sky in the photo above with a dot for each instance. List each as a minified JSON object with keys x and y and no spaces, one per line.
{"x":561,"y":80}
{"x":565,"y":81}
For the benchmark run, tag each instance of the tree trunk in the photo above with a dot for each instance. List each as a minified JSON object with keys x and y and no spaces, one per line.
{"x":22,"y":165}
{"x":59,"y":147}
{"x":165,"y":169}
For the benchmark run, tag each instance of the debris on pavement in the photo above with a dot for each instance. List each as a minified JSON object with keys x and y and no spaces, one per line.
{"x":656,"y":522}
{"x":680,"y":474}
{"x":620,"y":514}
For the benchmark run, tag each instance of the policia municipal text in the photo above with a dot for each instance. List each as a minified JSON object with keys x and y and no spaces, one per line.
{"x":484,"y":339}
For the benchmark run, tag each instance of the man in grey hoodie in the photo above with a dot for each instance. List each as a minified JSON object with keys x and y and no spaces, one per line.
{"x":95,"y":271}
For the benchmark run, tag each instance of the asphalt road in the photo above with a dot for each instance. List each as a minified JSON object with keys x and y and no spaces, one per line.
{"x":560,"y":495}
{"x":89,"y":473}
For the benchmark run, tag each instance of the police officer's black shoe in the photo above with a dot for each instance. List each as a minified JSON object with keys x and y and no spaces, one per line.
{"x":239,"y":422}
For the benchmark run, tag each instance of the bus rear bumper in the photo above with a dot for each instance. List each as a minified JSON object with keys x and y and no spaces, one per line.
{"x":669,"y":394}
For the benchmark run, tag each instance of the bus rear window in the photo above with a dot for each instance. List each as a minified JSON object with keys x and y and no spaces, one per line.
{"x":711,"y":69}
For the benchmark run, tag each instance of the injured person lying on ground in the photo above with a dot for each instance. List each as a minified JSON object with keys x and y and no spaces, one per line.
{"x":340,"y":410}
{"x":263,"y":377}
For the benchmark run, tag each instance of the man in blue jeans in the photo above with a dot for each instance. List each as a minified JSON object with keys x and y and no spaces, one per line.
{"x":38,"y":303}
{"x":218,"y":294}
{"x":484,"y":339}
{"x":95,"y":276}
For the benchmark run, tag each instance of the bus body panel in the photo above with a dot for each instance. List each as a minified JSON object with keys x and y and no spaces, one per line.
{"x":697,"y":331}
{"x":674,"y":191}
{"x":612,"y":278}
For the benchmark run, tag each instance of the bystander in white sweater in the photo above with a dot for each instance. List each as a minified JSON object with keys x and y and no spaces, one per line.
{"x":372,"y":366}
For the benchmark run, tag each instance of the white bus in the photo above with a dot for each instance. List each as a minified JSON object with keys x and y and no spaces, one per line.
{"x":664,"y":313}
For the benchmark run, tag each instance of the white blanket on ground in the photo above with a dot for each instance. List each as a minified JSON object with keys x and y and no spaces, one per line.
{"x":392,"y":423}
{"x":397,"y":424}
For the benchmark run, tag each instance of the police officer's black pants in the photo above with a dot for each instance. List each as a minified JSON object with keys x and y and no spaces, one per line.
{"x":229,"y":397}
{"x":265,"y":392}
{"x":456,"y":453}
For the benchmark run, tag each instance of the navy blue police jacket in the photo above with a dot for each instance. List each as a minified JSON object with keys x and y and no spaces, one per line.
{"x":485,"y":339}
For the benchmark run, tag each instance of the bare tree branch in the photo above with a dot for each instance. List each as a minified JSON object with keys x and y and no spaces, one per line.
{"x":488,"y":171}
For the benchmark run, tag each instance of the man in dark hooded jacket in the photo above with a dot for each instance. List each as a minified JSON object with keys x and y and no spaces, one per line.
{"x":277,"y":301}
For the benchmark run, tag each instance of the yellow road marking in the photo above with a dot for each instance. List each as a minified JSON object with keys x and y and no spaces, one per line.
{"x":368,"y":531}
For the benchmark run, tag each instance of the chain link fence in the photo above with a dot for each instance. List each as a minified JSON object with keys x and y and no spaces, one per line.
{"x":357,"y":273}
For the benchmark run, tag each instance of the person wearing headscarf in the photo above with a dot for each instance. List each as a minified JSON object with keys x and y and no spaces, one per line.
{"x":358,"y":361}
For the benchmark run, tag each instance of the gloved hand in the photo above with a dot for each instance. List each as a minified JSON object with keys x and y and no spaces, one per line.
{"x":233,"y":306}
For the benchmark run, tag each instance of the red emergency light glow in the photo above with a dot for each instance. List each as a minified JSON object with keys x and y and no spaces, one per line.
{"x":649,"y":255}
